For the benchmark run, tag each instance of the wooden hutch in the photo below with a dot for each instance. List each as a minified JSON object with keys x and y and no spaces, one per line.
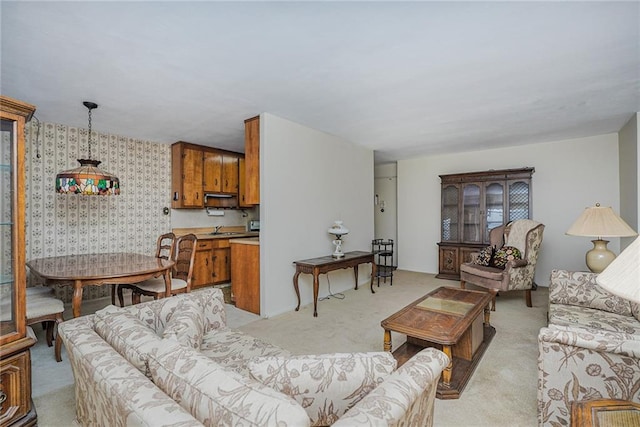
{"x":474,"y":203}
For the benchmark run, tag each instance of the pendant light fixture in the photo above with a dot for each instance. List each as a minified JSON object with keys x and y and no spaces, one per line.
{"x":87,"y":178}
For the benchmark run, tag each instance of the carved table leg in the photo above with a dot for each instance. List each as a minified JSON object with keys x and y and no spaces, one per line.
{"x":316,"y":287}
{"x":77,"y":297}
{"x":446,"y":374}
{"x":295,"y":286}
{"x":387,"y":340}
{"x":487,"y":315}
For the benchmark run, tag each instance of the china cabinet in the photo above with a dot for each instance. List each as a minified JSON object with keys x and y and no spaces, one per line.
{"x":16,"y":407}
{"x":474,"y":203}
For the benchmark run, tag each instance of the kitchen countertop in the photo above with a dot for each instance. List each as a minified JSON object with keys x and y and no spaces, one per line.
{"x":246,"y":241}
{"x":205,"y":233}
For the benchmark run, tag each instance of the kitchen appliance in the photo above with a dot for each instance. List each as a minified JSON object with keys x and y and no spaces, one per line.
{"x":253,"y":225}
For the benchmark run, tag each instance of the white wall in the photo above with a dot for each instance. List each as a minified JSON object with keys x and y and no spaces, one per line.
{"x":308,"y":179}
{"x":629,"y":177}
{"x":570,"y":176}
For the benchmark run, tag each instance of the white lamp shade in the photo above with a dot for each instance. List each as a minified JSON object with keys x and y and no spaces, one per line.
{"x":338,"y":229}
{"x":598,"y":221}
{"x":622,"y":276}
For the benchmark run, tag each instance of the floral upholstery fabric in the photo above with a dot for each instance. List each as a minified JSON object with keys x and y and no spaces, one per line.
{"x":109,"y":391}
{"x":580,"y":289}
{"x":233,"y":349}
{"x":505,"y":254}
{"x":591,"y":349}
{"x":576,"y":364}
{"x":405,"y":398}
{"x":219,"y":397}
{"x":127,"y":334}
{"x":186,"y":324}
{"x":326,"y":386}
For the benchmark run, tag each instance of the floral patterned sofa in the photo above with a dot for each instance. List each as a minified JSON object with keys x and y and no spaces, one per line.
{"x":590,"y":350}
{"x":174,"y":362}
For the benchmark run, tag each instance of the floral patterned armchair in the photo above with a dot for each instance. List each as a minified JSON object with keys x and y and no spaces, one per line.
{"x":590,"y":350}
{"x":517,"y":274}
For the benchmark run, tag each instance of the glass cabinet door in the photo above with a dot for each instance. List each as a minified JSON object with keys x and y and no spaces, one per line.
{"x":471,"y":213}
{"x":494,"y":207}
{"x":450,"y":213}
{"x":7,"y":293}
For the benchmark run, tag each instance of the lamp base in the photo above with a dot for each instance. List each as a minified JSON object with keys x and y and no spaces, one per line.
{"x":599,"y":257}
{"x":338,"y":252}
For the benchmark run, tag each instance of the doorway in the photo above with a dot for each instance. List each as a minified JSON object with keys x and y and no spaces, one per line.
{"x":385,"y":211}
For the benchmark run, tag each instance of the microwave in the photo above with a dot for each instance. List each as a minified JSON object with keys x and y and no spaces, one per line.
{"x":254,"y":225}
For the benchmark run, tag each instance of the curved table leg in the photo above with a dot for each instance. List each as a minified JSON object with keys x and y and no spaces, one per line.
{"x":374,"y":269}
{"x":316,"y":288}
{"x":77,"y":297}
{"x":295,"y":286}
{"x":355,"y":272}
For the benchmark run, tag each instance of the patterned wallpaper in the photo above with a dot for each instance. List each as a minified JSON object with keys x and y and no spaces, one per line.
{"x":63,"y":224}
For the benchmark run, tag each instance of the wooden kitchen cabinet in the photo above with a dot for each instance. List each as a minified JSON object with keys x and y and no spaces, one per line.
{"x":16,"y":407}
{"x":212,"y":264}
{"x":252,"y":160}
{"x":245,"y":275}
{"x":186,"y":176}
{"x":242,"y":184}
{"x":220,"y":172}
{"x":473,"y":204}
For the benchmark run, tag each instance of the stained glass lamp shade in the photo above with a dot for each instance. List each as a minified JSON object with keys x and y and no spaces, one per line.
{"x":87,"y":178}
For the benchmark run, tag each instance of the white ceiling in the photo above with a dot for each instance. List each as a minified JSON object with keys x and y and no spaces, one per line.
{"x":404,"y":79}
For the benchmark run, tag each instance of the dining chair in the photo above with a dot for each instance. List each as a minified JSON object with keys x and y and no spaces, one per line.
{"x":164,"y":249}
{"x":181,"y":273}
{"x":43,"y":307}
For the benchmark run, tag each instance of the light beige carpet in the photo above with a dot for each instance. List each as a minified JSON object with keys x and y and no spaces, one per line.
{"x":501,"y":392}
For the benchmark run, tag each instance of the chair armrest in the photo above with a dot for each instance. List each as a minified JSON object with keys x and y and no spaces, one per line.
{"x":593,"y":339}
{"x":516,"y":263}
{"x":580,"y":289}
{"x":406,"y":397}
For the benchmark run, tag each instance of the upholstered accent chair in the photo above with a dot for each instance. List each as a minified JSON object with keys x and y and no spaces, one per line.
{"x":518,"y":274}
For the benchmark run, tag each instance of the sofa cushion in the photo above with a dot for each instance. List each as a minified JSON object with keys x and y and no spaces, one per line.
{"x":219,"y":397}
{"x":186,"y":324}
{"x":325,"y":385}
{"x":127,"y":334}
{"x":571,"y":315}
{"x":233,"y":349}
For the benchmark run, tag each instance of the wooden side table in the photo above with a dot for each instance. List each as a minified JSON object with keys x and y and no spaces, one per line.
{"x":605,"y":413}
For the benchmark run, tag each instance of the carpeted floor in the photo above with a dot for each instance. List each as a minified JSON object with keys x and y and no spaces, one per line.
{"x":501,"y":392}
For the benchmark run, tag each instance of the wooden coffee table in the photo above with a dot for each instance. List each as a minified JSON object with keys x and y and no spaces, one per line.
{"x":450,"y":319}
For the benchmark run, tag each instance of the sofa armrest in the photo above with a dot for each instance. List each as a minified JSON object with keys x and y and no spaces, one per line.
{"x":406,"y":397}
{"x":580,"y":289}
{"x":109,"y":390}
{"x":583,"y":364}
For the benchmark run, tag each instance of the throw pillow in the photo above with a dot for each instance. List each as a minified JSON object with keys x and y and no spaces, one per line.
{"x":326,"y":386}
{"x":186,"y":324}
{"x":127,"y":334}
{"x":216,"y":396}
{"x":504,"y":255}
{"x":485,"y":257}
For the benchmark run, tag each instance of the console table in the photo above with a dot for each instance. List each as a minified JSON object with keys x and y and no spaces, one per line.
{"x":325,"y":264}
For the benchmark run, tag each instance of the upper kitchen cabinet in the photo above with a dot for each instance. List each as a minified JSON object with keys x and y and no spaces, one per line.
{"x":186,"y":176}
{"x":220,"y":172}
{"x":473,"y":204}
{"x":252,"y":161}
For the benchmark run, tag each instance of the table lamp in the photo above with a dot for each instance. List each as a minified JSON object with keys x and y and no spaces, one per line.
{"x":338,"y":230}
{"x":598,"y":221}
{"x":622,"y":276}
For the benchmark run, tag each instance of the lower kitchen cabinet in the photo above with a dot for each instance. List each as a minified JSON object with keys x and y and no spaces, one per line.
{"x":245,"y":275}
{"x":212,"y":264}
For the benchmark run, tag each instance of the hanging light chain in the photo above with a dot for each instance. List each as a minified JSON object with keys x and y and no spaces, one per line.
{"x":89,"y":136}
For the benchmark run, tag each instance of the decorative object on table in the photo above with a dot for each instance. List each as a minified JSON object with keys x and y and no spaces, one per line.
{"x":622,"y":276}
{"x":87,"y":178}
{"x":598,"y":221}
{"x":338,"y":230}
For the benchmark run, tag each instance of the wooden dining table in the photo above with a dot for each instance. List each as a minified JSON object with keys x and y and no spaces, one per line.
{"x":99,"y":269}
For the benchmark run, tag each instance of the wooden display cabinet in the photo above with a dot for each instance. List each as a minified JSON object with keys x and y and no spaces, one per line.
{"x":474,"y":203}
{"x":16,"y":407}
